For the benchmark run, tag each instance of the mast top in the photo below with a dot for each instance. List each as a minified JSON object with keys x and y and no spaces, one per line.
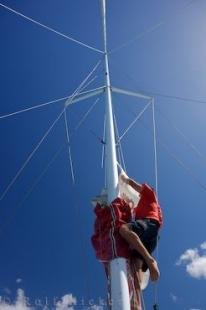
{"x":104,"y":27}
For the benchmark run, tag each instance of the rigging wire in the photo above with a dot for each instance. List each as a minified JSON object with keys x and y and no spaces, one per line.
{"x":187,"y":141}
{"x":48,"y":102}
{"x":134,"y":121}
{"x":175,"y":97}
{"x":92,"y":80}
{"x":50,"y":29}
{"x":119,"y":145}
{"x":100,"y":140}
{"x":82,"y":244}
{"x":155,"y":147}
{"x":69,"y":147}
{"x":31,"y":189}
{"x":190,"y":144}
{"x":136,"y":38}
{"x":77,"y":90}
{"x":152,"y":93}
{"x":30,"y":156}
{"x":27,"y":195}
{"x":85,"y":264}
{"x":149,"y":30}
{"x":156,"y":189}
{"x":172,"y":155}
{"x":86,"y":115}
{"x":34,"y":107}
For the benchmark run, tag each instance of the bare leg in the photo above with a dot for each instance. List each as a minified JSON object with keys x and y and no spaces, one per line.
{"x":136,"y":266}
{"x":135,"y":242}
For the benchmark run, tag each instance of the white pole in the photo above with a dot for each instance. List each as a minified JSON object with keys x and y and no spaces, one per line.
{"x":118,"y":268}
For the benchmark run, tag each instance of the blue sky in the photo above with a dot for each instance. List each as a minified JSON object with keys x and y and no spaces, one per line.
{"x":45,"y":221}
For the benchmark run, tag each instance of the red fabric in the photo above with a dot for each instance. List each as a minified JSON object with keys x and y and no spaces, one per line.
{"x":148,"y":206}
{"x":106,"y":240}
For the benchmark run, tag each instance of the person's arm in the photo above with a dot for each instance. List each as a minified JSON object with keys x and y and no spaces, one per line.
{"x":136,"y":186}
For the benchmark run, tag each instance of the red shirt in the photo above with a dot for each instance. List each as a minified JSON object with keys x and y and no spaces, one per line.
{"x":148,"y":206}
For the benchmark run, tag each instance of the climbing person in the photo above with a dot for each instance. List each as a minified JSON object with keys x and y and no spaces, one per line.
{"x":142,"y":232}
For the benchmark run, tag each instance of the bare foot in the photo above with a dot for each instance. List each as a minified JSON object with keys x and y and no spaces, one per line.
{"x":154,"y":270}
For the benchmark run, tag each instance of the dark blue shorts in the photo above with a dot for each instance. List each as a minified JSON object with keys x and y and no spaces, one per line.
{"x":147,"y":231}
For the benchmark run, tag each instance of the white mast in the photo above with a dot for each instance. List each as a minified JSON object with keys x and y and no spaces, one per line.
{"x":118,"y":269}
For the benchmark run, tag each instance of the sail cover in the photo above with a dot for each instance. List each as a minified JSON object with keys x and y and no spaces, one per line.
{"x":106,"y":240}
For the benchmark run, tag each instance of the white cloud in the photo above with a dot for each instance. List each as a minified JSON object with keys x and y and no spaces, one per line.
{"x":19,"y":280}
{"x":189,"y":255}
{"x":203,"y":245}
{"x":19,"y":304}
{"x":195,"y":261}
{"x":66,"y":302}
{"x":197,"y":268}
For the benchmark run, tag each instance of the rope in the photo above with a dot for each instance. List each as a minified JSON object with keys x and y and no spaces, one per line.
{"x":132,"y":124}
{"x":69,"y":147}
{"x":149,"y":30}
{"x":49,"y":28}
